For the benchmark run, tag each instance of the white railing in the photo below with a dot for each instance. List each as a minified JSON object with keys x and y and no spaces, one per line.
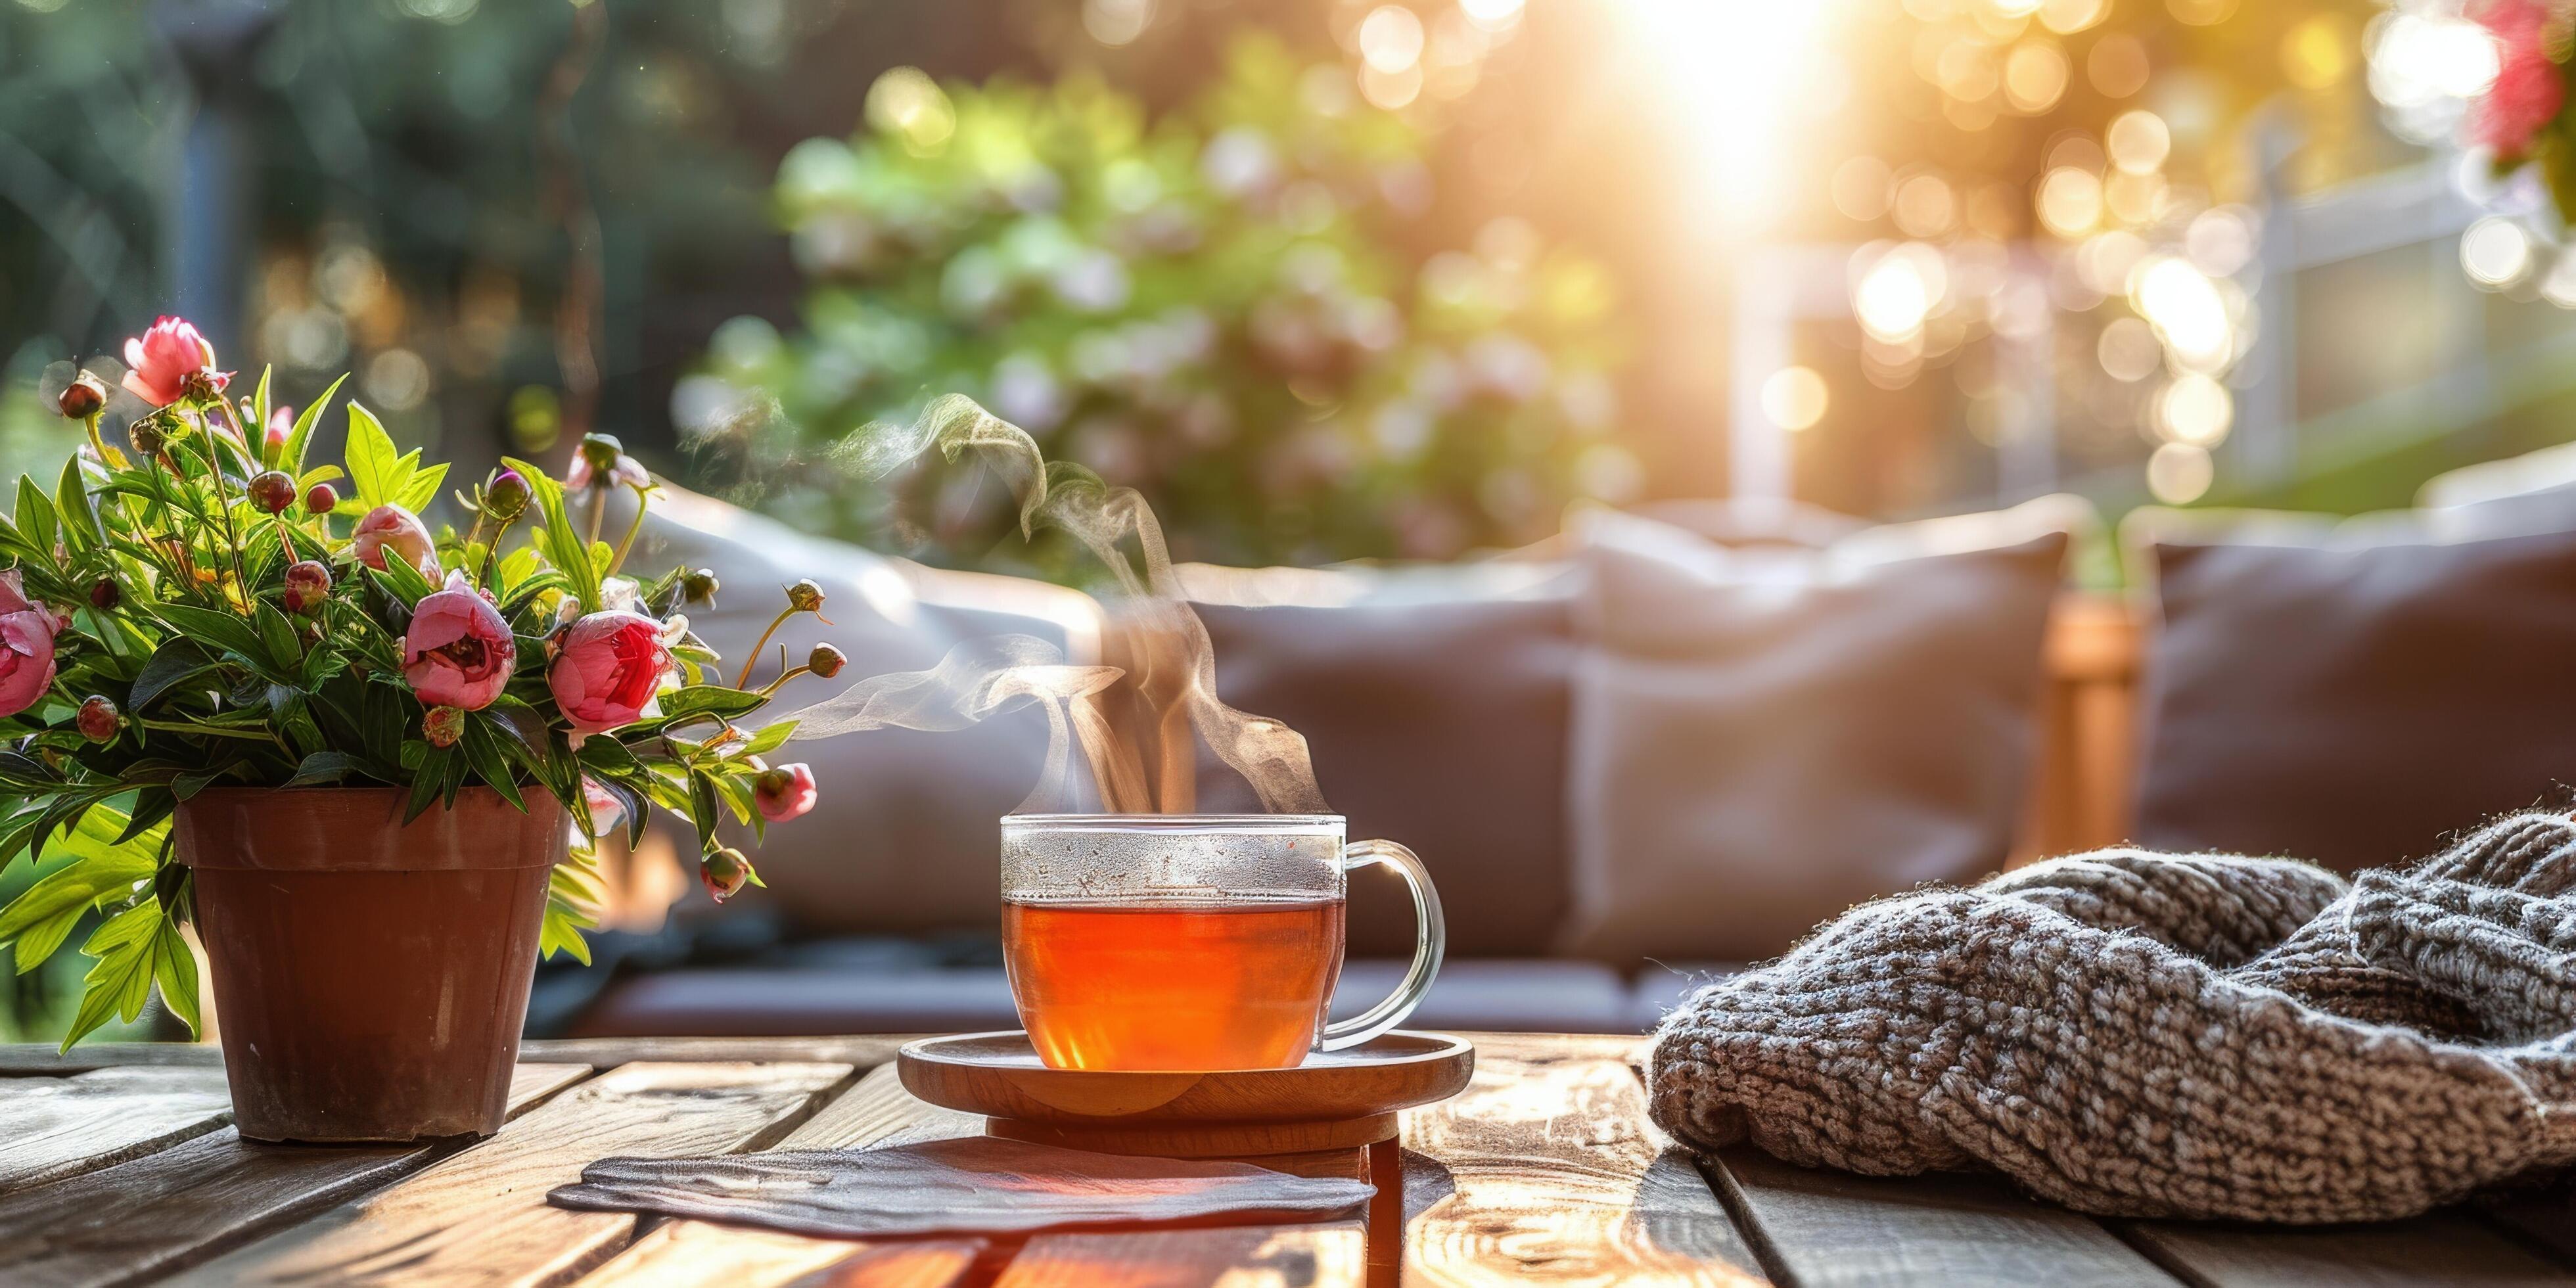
{"x":2274,"y":439}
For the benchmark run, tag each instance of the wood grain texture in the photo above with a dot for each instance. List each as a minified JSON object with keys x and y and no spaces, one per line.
{"x":2442,"y":1248}
{"x":686,"y":1254}
{"x":1821,"y":1227}
{"x":481,"y":1216}
{"x":170,"y":1209}
{"x":878,"y":1111}
{"x":865,"y":1051}
{"x":57,"y":1127}
{"x":1302,"y":1256}
{"x":1547,"y":1169}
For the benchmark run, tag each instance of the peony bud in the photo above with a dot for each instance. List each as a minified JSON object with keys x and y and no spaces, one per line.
{"x":601,"y":451}
{"x":826,"y":661}
{"x":103,"y":594}
{"x":98,"y":718}
{"x":391,"y":527}
{"x":148,"y":438}
{"x":443,"y":726}
{"x":699,"y":586}
{"x":805,"y":597}
{"x":506,"y":495}
{"x":785,"y":792}
{"x":271,"y":491}
{"x":281,"y":427}
{"x":724,"y":873}
{"x":322,"y":499}
{"x":308,"y":584}
{"x":84,"y":397}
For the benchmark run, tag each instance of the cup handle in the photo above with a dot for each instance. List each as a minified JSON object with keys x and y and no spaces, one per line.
{"x":1430,"y":943}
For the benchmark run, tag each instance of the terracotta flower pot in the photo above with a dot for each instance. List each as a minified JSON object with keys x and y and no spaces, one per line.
{"x":371,"y":977}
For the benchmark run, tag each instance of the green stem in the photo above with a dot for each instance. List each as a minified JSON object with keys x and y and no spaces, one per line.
{"x":224,"y":509}
{"x":213,"y":731}
{"x":633,"y":530}
{"x":492,"y":553}
{"x":752,"y":658}
{"x":598,"y":511}
{"x":774,"y":685}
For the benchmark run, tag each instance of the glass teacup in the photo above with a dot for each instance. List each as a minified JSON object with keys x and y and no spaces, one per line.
{"x":1192,"y":942}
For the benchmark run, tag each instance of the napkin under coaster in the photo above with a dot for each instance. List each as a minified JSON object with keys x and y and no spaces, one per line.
{"x":970,"y":1185}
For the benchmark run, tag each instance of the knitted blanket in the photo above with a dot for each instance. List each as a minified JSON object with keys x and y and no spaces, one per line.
{"x":2139,"y":1034}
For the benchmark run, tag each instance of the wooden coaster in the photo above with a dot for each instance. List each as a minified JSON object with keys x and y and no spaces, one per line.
{"x":1335,"y":1100}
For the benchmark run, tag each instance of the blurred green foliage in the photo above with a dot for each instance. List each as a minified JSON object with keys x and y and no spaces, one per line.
{"x":1216,"y":305}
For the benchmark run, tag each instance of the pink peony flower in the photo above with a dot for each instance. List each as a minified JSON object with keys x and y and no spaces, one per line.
{"x":610,"y":667}
{"x":2529,"y":89}
{"x":26,"y":646}
{"x":458,"y":652}
{"x":391,"y":526}
{"x":785,"y":792}
{"x":164,"y":360}
{"x":606,"y":811}
{"x":281,"y":426}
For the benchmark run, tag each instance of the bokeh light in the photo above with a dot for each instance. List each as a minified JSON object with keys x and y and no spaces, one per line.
{"x":1391,"y":39}
{"x":2495,"y":252}
{"x":1117,"y":22}
{"x":1795,"y":398}
{"x":2196,"y":410}
{"x":1897,"y":290}
{"x":2128,"y":350}
{"x":2138,"y":142}
{"x":2179,"y":473}
{"x":2035,"y":76}
{"x":2188,"y":313}
{"x":2070,"y":201}
{"x":2117,"y":65}
{"x":907,"y":104}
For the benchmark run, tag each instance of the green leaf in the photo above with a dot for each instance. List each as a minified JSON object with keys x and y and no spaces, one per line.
{"x":178,"y":659}
{"x":174,"y":968}
{"x":223,"y":630}
{"x":402,"y":581}
{"x":257,"y":429}
{"x":38,"y":920}
{"x":483,"y":751}
{"x":277,"y":637}
{"x":710,"y":699}
{"x":375,"y":468}
{"x":770,"y":738}
{"x":126,"y":949}
{"x":304,"y":422}
{"x":324,"y":767}
{"x":564,"y":547}
{"x":71,"y":497}
{"x":422,"y":489}
{"x":35,"y":517}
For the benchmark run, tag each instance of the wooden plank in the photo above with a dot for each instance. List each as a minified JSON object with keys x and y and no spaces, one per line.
{"x":682,"y":1253}
{"x":1546,"y":1168}
{"x":58,"y":1127}
{"x":40,"y":1059}
{"x":171,"y":1209}
{"x":2444,"y":1247}
{"x":865,"y":1051}
{"x":1294,"y":1256}
{"x":1821,"y":1227}
{"x":876,"y":1112}
{"x":481,"y":1216}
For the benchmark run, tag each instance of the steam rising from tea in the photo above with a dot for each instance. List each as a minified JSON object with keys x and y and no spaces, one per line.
{"x":1137,"y":724}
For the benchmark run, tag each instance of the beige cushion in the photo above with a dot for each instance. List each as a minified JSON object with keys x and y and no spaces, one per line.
{"x":1764,"y":736}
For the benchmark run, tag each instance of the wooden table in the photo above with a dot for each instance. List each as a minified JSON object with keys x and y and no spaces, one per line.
{"x":116,"y":1166}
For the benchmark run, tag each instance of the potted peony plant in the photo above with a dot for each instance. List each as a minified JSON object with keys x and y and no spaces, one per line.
{"x":364,"y":759}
